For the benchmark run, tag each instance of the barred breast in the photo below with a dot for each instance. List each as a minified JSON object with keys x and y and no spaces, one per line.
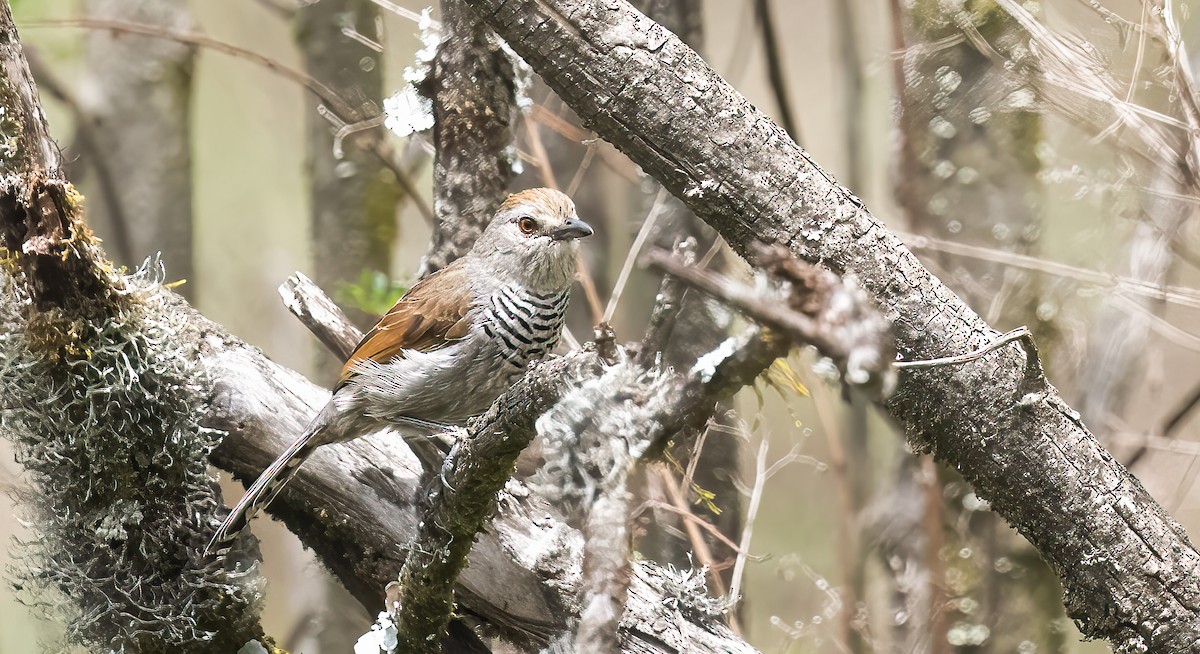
{"x":525,"y":325}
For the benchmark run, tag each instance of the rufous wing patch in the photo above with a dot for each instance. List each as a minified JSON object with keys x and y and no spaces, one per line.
{"x":431,"y":315}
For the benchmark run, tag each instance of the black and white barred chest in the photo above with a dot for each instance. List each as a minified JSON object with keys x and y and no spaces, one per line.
{"x":524,"y":325}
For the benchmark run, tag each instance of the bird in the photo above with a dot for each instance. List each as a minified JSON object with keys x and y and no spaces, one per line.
{"x":452,"y":343}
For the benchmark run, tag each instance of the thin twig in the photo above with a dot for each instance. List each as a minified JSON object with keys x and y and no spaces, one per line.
{"x":327,"y":95}
{"x":398,"y":10}
{"x":588,"y":154}
{"x":762,"y":474}
{"x":540,"y":156}
{"x":634,"y":250}
{"x":1019,"y":334}
{"x":1180,"y":295}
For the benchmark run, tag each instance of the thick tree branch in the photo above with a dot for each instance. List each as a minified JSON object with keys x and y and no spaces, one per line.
{"x":474,"y":472}
{"x":1128,"y":569}
{"x":354,"y":502}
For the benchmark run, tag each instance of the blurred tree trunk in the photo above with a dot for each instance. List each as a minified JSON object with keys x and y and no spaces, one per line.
{"x":855,"y":430}
{"x":134,"y":132}
{"x":353,"y":198}
{"x":353,"y":209}
{"x":968,"y":172}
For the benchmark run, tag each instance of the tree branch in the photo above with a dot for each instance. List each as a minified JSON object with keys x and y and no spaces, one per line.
{"x":353,"y":502}
{"x":818,"y":309}
{"x":474,"y":105}
{"x":1091,"y":519}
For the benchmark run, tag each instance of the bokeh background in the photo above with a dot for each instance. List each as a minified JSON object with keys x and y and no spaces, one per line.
{"x":1039,"y":209}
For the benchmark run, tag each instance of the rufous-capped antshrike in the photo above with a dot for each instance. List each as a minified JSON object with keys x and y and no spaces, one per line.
{"x":452,"y":344}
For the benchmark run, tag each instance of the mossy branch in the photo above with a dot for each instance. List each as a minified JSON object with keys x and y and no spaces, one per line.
{"x":104,"y":407}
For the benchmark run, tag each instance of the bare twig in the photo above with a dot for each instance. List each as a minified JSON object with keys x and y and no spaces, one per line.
{"x":762,"y":474}
{"x":1179,"y":295}
{"x":344,"y":111}
{"x":632,"y":255}
{"x":848,"y":332}
{"x":1019,"y":334}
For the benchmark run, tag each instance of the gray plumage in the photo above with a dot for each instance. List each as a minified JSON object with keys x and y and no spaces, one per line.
{"x":452,"y":344}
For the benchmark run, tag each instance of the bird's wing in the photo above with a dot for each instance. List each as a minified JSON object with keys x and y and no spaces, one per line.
{"x":430,"y":316}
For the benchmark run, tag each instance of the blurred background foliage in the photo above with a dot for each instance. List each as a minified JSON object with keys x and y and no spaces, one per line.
{"x":1039,"y":207}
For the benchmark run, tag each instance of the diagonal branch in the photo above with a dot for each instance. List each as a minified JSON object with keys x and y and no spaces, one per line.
{"x":1088,"y":517}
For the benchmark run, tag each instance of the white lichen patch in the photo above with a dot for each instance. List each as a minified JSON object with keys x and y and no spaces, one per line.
{"x":106,"y":423}
{"x":407,"y":112}
{"x":381,"y":639}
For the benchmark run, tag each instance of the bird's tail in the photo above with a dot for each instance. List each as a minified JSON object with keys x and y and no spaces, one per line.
{"x":266,"y":487}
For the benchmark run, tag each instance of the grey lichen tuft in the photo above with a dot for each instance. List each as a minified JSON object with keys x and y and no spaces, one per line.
{"x":120,"y":499}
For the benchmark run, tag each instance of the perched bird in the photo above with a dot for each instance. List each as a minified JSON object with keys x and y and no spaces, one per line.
{"x":452,"y":344}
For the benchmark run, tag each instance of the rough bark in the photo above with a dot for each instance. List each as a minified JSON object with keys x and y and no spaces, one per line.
{"x":351,"y":507}
{"x":136,"y":101}
{"x":353,"y":199}
{"x":1126,"y":566}
{"x":474,"y":101}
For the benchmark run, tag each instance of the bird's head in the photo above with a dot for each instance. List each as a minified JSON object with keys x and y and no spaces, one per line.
{"x":534,"y":237}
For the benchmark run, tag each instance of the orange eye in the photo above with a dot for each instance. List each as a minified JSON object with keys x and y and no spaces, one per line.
{"x":528,"y":225}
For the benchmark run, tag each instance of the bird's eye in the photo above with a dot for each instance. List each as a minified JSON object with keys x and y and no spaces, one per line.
{"x":527,"y":225}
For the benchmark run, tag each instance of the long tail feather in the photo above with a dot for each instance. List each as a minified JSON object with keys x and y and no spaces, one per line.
{"x":265,"y":488}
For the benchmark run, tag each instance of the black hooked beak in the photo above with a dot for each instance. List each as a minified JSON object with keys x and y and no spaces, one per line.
{"x":573,"y":228}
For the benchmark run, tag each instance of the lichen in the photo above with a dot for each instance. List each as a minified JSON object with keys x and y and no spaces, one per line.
{"x":105,"y":417}
{"x":12,"y":132}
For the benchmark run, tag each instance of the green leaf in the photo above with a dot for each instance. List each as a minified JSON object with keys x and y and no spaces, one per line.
{"x":373,"y":293}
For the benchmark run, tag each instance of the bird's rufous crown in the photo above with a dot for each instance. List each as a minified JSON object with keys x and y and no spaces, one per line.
{"x":550,"y":199}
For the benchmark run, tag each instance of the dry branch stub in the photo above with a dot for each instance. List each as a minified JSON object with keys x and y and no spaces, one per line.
{"x":810,"y":305}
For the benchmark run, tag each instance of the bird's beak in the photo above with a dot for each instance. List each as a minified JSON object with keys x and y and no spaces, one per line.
{"x":573,"y":228}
